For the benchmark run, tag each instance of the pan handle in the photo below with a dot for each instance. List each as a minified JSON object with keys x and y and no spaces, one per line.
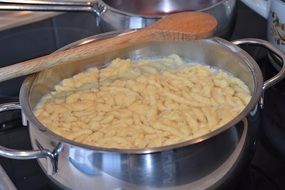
{"x":281,"y":74}
{"x":28,"y":154}
{"x":45,"y":5}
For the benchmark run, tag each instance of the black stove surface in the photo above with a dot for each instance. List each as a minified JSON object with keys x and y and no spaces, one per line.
{"x":264,"y":172}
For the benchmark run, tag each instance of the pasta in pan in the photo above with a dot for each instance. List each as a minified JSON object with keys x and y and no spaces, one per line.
{"x":149,"y":104}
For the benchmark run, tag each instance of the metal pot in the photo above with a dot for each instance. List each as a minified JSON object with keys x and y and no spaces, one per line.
{"x":201,"y":163}
{"x":131,"y":14}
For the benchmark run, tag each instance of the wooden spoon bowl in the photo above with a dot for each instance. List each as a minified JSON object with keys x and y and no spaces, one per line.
{"x":180,"y":26}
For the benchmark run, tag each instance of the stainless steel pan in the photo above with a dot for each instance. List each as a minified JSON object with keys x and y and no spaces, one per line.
{"x":131,"y":14}
{"x":196,"y":164}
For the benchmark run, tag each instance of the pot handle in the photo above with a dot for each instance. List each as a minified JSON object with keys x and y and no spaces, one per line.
{"x":96,"y":6}
{"x":27,"y":154}
{"x":47,"y":5}
{"x":99,"y":8}
{"x":252,"y":41}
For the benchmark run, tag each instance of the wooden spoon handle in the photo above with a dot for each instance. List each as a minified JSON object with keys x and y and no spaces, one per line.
{"x":181,"y":26}
{"x":72,"y":55}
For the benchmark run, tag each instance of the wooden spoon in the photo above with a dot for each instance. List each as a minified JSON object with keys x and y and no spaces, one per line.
{"x":180,"y":26}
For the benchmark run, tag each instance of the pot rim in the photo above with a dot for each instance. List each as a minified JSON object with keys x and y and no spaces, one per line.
{"x":251,"y":107}
{"x":102,"y":2}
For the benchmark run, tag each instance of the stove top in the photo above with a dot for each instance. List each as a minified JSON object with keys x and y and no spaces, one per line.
{"x":266,"y":168}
